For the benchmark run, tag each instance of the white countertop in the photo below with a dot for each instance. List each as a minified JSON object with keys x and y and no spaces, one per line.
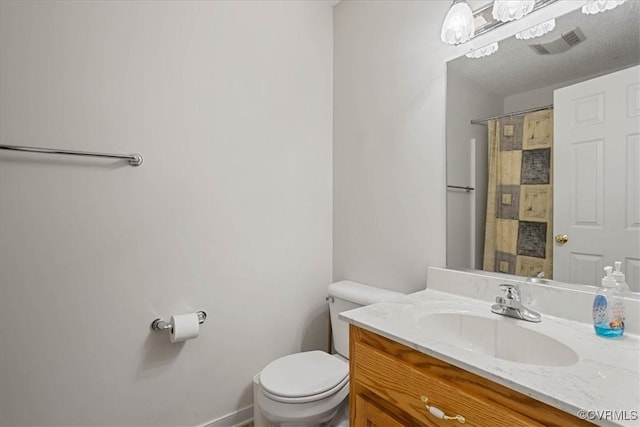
{"x":606,"y":376}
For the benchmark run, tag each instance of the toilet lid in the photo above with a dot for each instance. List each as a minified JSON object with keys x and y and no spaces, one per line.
{"x":303,"y":374}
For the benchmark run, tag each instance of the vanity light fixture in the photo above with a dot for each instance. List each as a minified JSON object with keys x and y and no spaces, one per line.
{"x":461,"y":23}
{"x":537,"y":30}
{"x":596,"y":6}
{"x":483,"y":51}
{"x":510,"y":10}
{"x":458,"y":26}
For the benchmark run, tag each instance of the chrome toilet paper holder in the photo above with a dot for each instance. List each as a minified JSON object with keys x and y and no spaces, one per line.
{"x":162,"y":325}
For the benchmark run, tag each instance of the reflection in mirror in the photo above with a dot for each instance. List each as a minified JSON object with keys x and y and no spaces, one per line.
{"x":554,"y":173}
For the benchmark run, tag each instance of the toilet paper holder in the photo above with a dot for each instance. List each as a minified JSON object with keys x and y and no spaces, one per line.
{"x":162,"y":325}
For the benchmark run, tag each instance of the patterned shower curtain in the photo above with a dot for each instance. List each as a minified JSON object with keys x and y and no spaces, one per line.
{"x":519,"y":228}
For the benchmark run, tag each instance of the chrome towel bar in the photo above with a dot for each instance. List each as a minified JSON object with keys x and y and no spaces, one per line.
{"x":134,"y":159}
{"x":458,"y":187}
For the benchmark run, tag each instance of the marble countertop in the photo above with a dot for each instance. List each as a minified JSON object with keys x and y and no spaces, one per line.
{"x":606,"y":376}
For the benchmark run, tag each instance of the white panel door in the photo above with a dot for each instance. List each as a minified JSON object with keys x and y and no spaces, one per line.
{"x":596,"y":180}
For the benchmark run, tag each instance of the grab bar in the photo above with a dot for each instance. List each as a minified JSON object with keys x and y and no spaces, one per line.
{"x":134,"y":159}
{"x":467,"y":188}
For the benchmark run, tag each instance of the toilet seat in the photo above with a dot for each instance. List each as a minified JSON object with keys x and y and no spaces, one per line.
{"x":304,"y":377}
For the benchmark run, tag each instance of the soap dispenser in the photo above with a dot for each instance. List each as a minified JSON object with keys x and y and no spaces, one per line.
{"x":608,"y":308}
{"x":618,"y":276}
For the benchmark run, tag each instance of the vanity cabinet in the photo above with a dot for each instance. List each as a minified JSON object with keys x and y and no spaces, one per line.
{"x":391,"y":382}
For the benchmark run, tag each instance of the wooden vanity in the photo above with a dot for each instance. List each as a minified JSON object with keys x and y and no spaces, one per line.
{"x":389,"y":384}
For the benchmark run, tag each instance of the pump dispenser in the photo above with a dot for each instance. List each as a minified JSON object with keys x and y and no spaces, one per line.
{"x":608,"y":281}
{"x":608,"y":308}
{"x":618,"y":276}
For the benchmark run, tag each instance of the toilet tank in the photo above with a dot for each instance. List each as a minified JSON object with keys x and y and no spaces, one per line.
{"x":347,"y":295}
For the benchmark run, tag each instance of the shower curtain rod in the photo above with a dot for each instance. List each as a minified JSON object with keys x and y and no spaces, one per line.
{"x":515,"y":113}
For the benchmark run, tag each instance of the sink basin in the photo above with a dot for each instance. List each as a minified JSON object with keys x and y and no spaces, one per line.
{"x":499,"y":338}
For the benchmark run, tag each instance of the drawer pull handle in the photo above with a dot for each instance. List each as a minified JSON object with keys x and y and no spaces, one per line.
{"x":438,"y":413}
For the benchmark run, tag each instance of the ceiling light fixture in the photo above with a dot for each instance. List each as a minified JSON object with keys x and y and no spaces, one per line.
{"x":458,"y":26}
{"x":537,"y":30}
{"x":483,"y":51}
{"x":596,"y":6}
{"x":509,"y":10}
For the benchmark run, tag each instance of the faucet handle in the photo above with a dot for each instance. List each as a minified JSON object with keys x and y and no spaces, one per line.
{"x":510,"y":291}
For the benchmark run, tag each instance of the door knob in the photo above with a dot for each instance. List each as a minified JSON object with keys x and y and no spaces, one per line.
{"x":562,"y":238}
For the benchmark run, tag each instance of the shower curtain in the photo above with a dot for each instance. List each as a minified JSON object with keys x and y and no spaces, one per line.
{"x":519,"y":225}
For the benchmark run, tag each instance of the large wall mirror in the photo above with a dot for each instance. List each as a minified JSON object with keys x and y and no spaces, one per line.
{"x":545,"y":133}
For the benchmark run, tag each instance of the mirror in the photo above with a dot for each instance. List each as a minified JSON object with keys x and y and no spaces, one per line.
{"x":518,"y":78}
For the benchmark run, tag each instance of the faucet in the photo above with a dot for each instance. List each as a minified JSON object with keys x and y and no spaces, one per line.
{"x":536,"y":278}
{"x":511,"y":306}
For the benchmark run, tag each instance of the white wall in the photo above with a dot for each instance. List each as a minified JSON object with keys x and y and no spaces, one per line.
{"x":466,"y":212}
{"x":531,"y":99}
{"x":544,"y":95}
{"x":230,"y":104}
{"x":389,"y":141}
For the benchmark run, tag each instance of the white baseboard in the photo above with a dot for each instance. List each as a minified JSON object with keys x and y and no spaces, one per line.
{"x":238,"y":418}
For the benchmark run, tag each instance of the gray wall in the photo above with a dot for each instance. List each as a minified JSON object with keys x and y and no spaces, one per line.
{"x":389,"y":141}
{"x":230,"y":104}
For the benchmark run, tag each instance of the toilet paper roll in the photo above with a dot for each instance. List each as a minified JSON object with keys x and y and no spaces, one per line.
{"x":184,"y":327}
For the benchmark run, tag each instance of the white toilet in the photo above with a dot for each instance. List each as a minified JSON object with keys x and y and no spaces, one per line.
{"x":311,"y":388}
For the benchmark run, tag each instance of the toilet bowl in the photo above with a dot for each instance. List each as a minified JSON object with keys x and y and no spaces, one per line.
{"x":312,"y":388}
{"x":292,"y":394}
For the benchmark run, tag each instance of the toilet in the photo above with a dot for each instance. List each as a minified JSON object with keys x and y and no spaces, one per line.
{"x":311,"y":388}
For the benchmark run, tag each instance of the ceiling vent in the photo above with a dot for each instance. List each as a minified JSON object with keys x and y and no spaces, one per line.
{"x":562,"y":44}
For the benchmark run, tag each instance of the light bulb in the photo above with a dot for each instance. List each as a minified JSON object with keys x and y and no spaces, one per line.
{"x":592,"y":7}
{"x":537,"y":30}
{"x":458,"y":26}
{"x":483,"y":51}
{"x":509,"y":10}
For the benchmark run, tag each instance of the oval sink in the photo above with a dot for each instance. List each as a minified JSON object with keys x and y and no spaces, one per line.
{"x":499,"y":338}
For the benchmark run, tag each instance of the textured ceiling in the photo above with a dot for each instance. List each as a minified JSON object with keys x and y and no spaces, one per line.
{"x":613,"y":42}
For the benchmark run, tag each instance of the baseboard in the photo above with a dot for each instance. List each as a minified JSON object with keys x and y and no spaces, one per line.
{"x":238,"y":418}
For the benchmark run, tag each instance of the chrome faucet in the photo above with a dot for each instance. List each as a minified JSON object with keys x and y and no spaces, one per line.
{"x":536,"y":278}
{"x":511,"y":306}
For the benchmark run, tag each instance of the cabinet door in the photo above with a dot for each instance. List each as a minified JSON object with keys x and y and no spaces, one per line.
{"x":370,"y":415}
{"x":398,"y":377}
